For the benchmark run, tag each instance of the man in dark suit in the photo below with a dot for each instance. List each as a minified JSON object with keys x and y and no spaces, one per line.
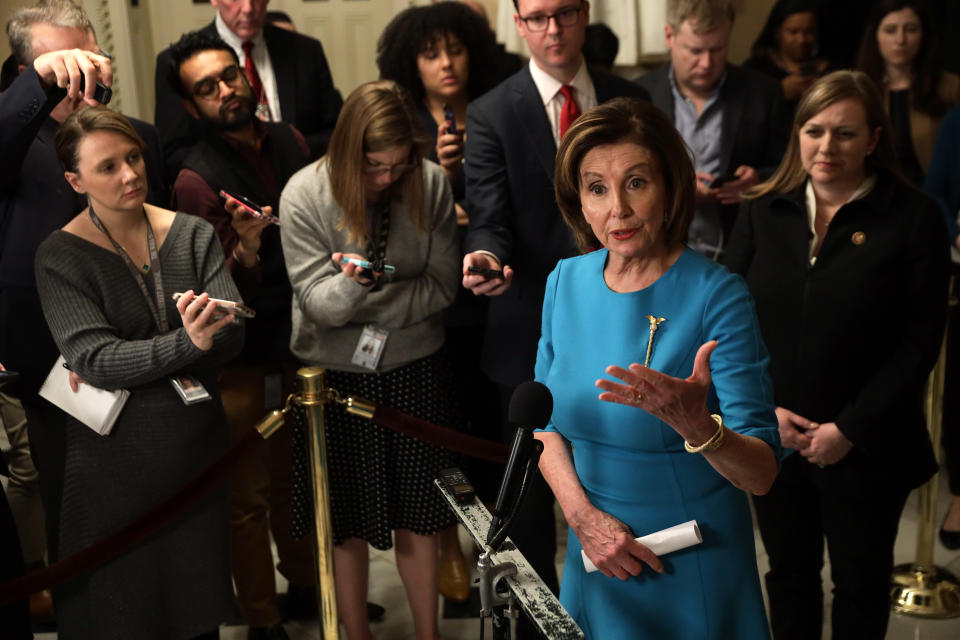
{"x":53,"y":45}
{"x":731,"y":118}
{"x":512,"y":138}
{"x":288,"y":71}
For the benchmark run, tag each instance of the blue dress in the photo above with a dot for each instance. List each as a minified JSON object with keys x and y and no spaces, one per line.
{"x":634,"y":466}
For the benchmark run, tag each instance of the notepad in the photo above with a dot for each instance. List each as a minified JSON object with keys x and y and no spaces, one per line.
{"x":96,"y":408}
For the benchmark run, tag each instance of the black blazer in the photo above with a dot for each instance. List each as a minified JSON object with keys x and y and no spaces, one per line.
{"x":35,"y":200}
{"x":754,"y":129}
{"x":308,"y":99}
{"x":513,"y":213}
{"x":853,"y":337}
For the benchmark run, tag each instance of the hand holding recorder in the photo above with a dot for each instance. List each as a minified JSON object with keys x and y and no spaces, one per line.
{"x":84,"y":75}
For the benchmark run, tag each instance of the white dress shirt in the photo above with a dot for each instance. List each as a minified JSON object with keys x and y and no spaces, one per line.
{"x":261,"y":60}
{"x":549,"y":89}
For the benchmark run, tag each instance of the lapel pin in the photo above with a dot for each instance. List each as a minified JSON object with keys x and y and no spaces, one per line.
{"x":858,"y":238}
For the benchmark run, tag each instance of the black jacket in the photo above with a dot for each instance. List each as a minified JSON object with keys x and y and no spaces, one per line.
{"x":853,"y":337}
{"x":35,"y":200}
{"x":308,"y":99}
{"x":513,"y":212}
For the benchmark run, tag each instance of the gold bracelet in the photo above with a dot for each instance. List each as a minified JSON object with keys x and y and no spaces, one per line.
{"x":713,"y":443}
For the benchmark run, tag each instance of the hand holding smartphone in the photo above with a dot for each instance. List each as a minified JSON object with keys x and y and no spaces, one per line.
{"x":364,"y":264}
{"x":228,"y":306}
{"x":721,"y":180}
{"x":250,"y":207}
{"x":451,"y":119}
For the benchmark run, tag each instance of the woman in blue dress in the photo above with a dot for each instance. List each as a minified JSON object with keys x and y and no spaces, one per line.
{"x":661,"y":445}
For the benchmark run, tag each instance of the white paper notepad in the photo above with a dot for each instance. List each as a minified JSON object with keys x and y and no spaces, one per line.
{"x":96,"y":408}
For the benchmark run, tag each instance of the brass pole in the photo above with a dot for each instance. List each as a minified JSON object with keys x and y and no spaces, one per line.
{"x":313,"y":391}
{"x":922,"y":588}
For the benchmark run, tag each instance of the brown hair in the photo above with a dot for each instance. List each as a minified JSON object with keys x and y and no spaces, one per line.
{"x":626,"y":120}
{"x":84,"y":122}
{"x":376,"y":116}
{"x":704,"y":15}
{"x":832,"y":88}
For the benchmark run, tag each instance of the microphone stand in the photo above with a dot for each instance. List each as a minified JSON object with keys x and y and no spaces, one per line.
{"x":494,"y":603}
{"x":507,"y":582}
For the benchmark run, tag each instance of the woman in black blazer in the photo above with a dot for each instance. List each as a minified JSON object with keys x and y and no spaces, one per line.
{"x":848,"y":268}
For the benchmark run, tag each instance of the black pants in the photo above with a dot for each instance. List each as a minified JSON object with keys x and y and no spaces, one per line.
{"x":46,"y":428}
{"x":860,"y":530}
{"x":951,"y":394}
{"x":15,"y":617}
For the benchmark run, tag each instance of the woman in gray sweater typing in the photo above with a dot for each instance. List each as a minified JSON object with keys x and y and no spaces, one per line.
{"x":369,"y":238}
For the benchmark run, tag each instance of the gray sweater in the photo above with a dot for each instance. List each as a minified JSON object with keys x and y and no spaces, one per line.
{"x":103,"y":326}
{"x":330,"y":310}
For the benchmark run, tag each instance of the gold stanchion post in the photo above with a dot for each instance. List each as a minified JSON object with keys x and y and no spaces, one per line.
{"x":921,"y":588}
{"x":312,"y":396}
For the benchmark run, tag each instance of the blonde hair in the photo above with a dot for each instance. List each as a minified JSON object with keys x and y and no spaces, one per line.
{"x":832,"y":88}
{"x":80,"y":124}
{"x":704,"y":15}
{"x":626,"y":120}
{"x":377,"y":116}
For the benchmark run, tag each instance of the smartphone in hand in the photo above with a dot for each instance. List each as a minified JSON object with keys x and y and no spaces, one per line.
{"x":250,"y":207}
{"x":451,"y":119}
{"x":364,"y":264}
{"x":487,"y":273}
{"x":721,"y":180}
{"x":228,"y":306}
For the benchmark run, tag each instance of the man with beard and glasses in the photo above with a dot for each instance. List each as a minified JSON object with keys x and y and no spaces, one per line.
{"x":288,"y":72}
{"x":243,"y":156}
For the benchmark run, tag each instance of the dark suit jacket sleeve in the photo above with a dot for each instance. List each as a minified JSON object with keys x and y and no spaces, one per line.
{"x":487,"y":187}
{"x":328,"y":104}
{"x":157,"y":192}
{"x":24,"y":107}
{"x":918,"y":322}
{"x":177,"y":134}
{"x":739,"y":251}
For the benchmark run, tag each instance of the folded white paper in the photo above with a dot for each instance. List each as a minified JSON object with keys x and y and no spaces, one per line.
{"x":662,"y":542}
{"x":96,"y":408}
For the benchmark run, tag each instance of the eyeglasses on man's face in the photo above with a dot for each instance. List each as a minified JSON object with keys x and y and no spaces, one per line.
{"x":209,"y":88}
{"x":566,"y":17}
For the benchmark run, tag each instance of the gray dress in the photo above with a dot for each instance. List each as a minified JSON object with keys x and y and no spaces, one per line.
{"x":177,"y":584}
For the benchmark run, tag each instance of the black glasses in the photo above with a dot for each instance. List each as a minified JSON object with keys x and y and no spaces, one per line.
{"x":210,"y":87}
{"x":566,"y":17}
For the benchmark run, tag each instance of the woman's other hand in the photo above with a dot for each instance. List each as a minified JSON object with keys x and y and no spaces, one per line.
{"x":199,"y":319}
{"x":357,"y":274}
{"x":682,"y":404}
{"x":611,"y":545}
{"x":450,"y":150}
{"x":828,"y":445}
{"x":793,"y":428}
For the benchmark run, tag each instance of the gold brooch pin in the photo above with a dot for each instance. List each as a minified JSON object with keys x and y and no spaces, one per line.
{"x":858,"y":238}
{"x":654,"y":325}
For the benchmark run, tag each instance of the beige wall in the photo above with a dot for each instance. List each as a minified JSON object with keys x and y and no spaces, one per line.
{"x":6,"y":8}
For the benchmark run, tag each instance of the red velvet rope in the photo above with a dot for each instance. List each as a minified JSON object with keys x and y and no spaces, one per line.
{"x":443,"y":437}
{"x":134,"y":533}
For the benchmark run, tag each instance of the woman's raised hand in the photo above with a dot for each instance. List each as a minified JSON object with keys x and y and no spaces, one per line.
{"x":682,"y":404}
{"x":200,"y":319}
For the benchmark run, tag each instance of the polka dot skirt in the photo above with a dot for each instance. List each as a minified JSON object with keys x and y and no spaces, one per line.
{"x":381,"y":480}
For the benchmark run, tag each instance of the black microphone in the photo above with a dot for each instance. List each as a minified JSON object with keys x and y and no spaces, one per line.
{"x":530,"y":408}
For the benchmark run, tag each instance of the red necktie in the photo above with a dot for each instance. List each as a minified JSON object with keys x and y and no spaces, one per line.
{"x":570,"y":110}
{"x":252,"y":74}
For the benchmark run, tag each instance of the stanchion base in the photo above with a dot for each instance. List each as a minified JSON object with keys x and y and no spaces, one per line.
{"x":925,"y":592}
